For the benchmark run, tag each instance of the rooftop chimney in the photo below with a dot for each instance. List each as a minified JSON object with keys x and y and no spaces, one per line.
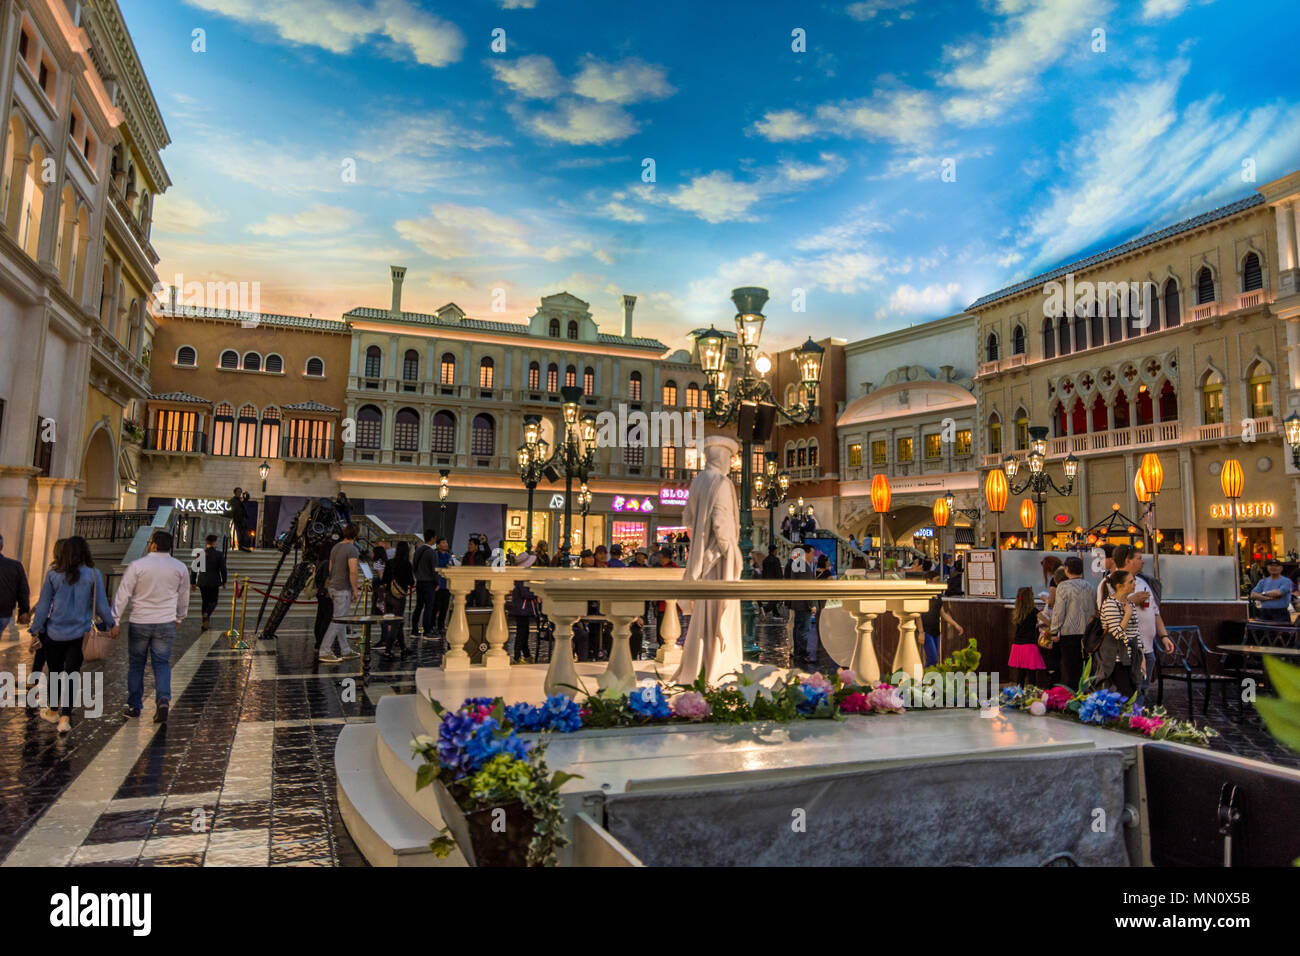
{"x":629,"y":303}
{"x":399,"y":273}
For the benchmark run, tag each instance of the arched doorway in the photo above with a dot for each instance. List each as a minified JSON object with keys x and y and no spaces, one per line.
{"x":99,"y":474}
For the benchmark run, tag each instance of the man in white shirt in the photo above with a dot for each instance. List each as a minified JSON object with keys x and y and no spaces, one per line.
{"x":158,"y":588}
{"x":1149,"y":621}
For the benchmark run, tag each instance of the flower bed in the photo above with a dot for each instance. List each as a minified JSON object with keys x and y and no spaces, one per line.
{"x":1105,"y":708}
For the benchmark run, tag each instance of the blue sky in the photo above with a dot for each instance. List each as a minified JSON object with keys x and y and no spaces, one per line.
{"x":819,"y":170}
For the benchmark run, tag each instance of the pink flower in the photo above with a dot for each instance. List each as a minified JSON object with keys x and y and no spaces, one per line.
{"x":1057,"y":697}
{"x":690,"y":705}
{"x":817,"y":680}
{"x":881,"y":685}
{"x":1038,"y":708}
{"x":847,"y":677}
{"x":885,"y":699}
{"x":1148,"y":725}
{"x":856,"y":703}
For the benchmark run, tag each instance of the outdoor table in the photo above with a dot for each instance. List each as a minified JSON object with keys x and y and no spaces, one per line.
{"x":1257,"y":650}
{"x":365,"y":620}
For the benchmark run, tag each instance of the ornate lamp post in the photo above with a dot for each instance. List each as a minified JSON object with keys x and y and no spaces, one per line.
{"x":443,"y":491}
{"x":741,"y":395}
{"x":532,"y":464}
{"x":880,"y":496}
{"x":1292,"y":425}
{"x":971,"y":514}
{"x":1153,"y":476}
{"x":576,"y":454}
{"x":1038,"y":481}
{"x":584,"y":496}
{"x":995,"y":496}
{"x":1232,"y":480}
{"x":770,"y":489}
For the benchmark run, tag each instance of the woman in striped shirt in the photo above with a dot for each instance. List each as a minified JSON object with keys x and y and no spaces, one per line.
{"x":1119,"y":662}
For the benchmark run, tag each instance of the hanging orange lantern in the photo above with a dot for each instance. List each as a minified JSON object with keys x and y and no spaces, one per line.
{"x":1028,"y":514}
{"x":1140,"y":489}
{"x":880,"y":494}
{"x":1153,"y":475}
{"x":996,"y":490}
{"x":941,"y":512}
{"x":1232,"y":479}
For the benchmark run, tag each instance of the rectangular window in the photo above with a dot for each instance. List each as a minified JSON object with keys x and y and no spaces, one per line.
{"x":995,"y":438}
{"x":246,"y":438}
{"x":223,"y":435}
{"x":447,"y":372}
{"x":310,"y":438}
{"x":588,"y":383}
{"x":534,"y":378}
{"x":668,"y":457}
{"x":1212,"y":406}
{"x":485,"y":373}
{"x":855,"y":455}
{"x":1022,"y":434}
{"x":270,"y":437}
{"x":176,"y":431}
{"x":904,"y":449}
{"x":963,"y":442}
{"x":878,"y":455}
{"x":933,"y":447}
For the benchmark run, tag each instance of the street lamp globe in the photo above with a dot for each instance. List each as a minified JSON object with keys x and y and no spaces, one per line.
{"x":1292,"y":423}
{"x":783,"y":480}
{"x":264,"y":469}
{"x":710,"y":346}
{"x":1071,"y":466}
{"x":1010,"y":465}
{"x":532,"y":428}
{"x":525,"y":457}
{"x":763,"y":365}
{"x":809,"y":359}
{"x":589,"y":430}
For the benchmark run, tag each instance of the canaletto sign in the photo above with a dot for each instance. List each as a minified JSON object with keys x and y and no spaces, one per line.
{"x":1245,"y":511}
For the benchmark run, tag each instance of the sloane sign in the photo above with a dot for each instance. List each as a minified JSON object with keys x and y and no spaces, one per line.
{"x":207,"y":506}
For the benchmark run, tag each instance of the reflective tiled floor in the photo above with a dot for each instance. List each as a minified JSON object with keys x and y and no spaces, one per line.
{"x":243,"y":773}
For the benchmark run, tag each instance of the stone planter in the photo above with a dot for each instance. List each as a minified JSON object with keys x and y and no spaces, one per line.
{"x":473,"y":832}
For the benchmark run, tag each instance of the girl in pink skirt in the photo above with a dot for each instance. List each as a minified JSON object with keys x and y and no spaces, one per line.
{"x":1025,"y":658}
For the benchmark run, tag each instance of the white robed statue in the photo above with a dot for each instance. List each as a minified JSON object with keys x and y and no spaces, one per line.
{"x":712,"y":518}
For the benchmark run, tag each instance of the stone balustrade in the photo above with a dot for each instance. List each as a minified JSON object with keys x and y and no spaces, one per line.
{"x":622,"y":593}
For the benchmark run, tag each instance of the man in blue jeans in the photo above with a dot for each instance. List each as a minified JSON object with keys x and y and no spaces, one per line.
{"x":158,"y":588}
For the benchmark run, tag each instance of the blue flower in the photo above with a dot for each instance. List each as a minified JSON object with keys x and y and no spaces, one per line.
{"x":524,"y":716}
{"x":561,"y":713}
{"x":813,"y":697}
{"x":1101,"y":706}
{"x":1010,"y":694}
{"x":487,"y":743}
{"x":649,"y":702}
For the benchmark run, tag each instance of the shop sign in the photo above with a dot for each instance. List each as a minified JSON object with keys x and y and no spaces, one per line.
{"x":207,"y":506}
{"x":1062,"y":519}
{"x":672,"y":495}
{"x":1252,"y":509}
{"x":923,"y":533}
{"x":624,"y":504}
{"x":557,"y":502}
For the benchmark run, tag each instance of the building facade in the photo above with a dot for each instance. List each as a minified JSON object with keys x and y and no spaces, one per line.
{"x":1192,"y":366}
{"x":915,"y":424}
{"x":76,"y":102}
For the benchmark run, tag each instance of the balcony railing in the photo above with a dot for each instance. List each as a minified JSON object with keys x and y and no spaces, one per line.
{"x":111,"y":525}
{"x":1015,"y":361}
{"x":1206,"y":311}
{"x":174,"y":441}
{"x":1136,"y":436}
{"x":1248,"y":300}
{"x":297,"y":448}
{"x":805,"y":473}
{"x":988,"y":368}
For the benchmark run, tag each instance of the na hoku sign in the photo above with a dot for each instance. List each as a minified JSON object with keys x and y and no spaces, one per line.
{"x":206,"y":506}
{"x":1246,"y":511}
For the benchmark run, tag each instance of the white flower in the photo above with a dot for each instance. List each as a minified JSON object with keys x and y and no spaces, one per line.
{"x":756,"y":680}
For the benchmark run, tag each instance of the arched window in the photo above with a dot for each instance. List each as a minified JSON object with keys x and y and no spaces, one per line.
{"x":1121,"y":409}
{"x":444,"y":434}
{"x":1018,"y":343}
{"x":800,"y":453}
{"x":1212,"y":398}
{"x":692,"y":395}
{"x":534,"y":376}
{"x":634,"y":387}
{"x":991,"y":348}
{"x":1063,"y":335}
{"x":1100,"y":420}
{"x":1114,"y":321}
{"x":274,"y":364}
{"x":1080,"y":332}
{"x":552,"y":378}
{"x":1204,"y":286}
{"x":186,"y":356}
{"x":1049,"y":340}
{"x":411,"y":365}
{"x":374,"y":367}
{"x":223,"y":429}
{"x":447,"y":369}
{"x":995,"y":435}
{"x":483,"y":436}
{"x":570,"y":375}
{"x":670,"y":392}
{"x":1173,"y":314}
{"x":252,"y":362}
{"x":316,"y":367}
{"x":789,"y":454}
{"x":1150,"y":303}
{"x":32,"y":204}
{"x":1096,"y":326}
{"x":1022,"y":430}
{"x":486,"y":372}
{"x":1252,"y":275}
{"x":573,"y":329}
{"x":1168,"y":402}
{"x":589,"y":381}
{"x":1260,"y":384}
{"x":270,"y":432}
{"x":1145,"y":410}
{"x":814,"y":453}
{"x":246,"y":432}
{"x":406,"y":430}
{"x":554,"y":328}
{"x":230,"y":359}
{"x":370,"y":427}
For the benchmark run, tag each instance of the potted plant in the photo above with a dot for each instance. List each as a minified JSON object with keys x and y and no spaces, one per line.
{"x":499,"y":802}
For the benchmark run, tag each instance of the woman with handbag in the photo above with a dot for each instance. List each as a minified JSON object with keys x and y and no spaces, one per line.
{"x":1119,"y":662}
{"x":397,"y":581}
{"x":72,"y":595}
{"x":1025,"y":658}
{"x":523,"y":608}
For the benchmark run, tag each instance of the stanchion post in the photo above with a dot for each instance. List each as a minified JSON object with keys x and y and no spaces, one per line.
{"x":241,"y":644}
{"x":232,"y":632}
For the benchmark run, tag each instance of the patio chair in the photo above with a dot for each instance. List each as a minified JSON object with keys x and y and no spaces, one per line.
{"x":1190,"y":662}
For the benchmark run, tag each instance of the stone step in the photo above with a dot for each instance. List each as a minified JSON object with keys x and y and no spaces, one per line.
{"x":397,"y":718}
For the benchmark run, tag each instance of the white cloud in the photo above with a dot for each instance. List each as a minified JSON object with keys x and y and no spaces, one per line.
{"x":581,"y":123}
{"x":339,"y":26}
{"x":622,"y":211}
{"x":603,"y":256}
{"x":532,"y":77}
{"x":870,"y":9}
{"x":851,"y":233}
{"x":628,"y":81}
{"x":936,"y":298}
{"x":178,"y":213}
{"x":518,"y":4}
{"x":716,"y":197}
{"x":782,"y":126}
{"x":452,"y":231}
{"x":317,"y":219}
{"x":1162,"y":9}
{"x":900,"y":115}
